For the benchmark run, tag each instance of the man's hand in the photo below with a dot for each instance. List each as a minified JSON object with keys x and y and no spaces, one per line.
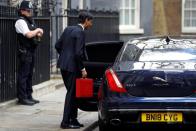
{"x":84,"y":73}
{"x":39,"y":35}
{"x":37,"y":32}
{"x":40,"y":32}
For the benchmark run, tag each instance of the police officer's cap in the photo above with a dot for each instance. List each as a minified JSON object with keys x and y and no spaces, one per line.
{"x":25,"y":4}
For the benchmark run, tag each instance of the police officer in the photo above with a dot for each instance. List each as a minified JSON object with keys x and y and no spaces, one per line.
{"x":27,"y":34}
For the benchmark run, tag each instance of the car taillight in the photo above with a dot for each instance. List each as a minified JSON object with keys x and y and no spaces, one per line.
{"x":113,"y":82}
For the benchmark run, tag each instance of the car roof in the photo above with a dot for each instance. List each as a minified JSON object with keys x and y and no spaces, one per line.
{"x":163,"y":42}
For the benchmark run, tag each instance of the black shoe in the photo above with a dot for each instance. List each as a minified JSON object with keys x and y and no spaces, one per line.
{"x":75,"y":122}
{"x":26,"y":102}
{"x":34,"y":100}
{"x":69,"y":126}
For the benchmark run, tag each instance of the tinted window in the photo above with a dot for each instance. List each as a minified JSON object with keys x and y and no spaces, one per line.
{"x":159,"y":51}
{"x":130,"y":53}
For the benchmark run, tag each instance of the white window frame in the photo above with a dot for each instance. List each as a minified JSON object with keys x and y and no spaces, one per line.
{"x":184,"y":28}
{"x":133,"y":29}
{"x":65,"y":6}
{"x":87,"y":4}
{"x":81,"y":4}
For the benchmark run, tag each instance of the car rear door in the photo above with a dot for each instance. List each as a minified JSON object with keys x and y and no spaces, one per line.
{"x":101,"y":55}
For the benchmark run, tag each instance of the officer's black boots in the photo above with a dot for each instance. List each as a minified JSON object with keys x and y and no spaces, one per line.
{"x":26,"y":102}
{"x":34,"y":100}
{"x":30,"y":101}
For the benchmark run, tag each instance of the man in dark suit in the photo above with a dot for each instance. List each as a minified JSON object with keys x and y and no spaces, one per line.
{"x":71,"y":49}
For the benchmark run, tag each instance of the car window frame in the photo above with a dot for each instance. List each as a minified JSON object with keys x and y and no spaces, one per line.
{"x":136,"y":54}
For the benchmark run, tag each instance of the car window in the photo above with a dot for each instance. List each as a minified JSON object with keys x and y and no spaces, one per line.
{"x":130,"y":53}
{"x":178,"y":50}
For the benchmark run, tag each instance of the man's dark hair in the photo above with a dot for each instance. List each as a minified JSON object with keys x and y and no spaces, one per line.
{"x":83,"y":16}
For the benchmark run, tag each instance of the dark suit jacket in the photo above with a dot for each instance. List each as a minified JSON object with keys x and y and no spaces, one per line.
{"x":71,"y":49}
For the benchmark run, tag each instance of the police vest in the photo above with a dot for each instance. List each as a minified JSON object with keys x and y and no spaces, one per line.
{"x":27,"y":44}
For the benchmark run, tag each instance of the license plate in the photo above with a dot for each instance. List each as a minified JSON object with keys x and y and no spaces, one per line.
{"x":162,"y":117}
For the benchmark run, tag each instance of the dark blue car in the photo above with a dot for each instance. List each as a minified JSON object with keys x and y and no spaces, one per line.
{"x":152,"y":81}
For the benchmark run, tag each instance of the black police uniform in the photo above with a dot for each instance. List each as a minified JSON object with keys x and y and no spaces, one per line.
{"x":26,"y":54}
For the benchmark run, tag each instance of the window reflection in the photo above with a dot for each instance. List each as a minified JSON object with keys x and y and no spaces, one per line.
{"x":167,"y":55}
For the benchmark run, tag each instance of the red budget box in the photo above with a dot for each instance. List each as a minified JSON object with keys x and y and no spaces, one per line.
{"x":84,"y":87}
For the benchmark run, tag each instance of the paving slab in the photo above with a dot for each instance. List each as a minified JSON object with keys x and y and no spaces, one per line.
{"x":45,"y":116}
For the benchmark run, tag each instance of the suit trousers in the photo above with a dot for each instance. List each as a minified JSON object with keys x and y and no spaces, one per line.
{"x":70,"y":106}
{"x":25,"y":74}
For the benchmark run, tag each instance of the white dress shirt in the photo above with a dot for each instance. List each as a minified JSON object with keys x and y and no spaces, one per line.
{"x":83,"y":29}
{"x":81,"y":26}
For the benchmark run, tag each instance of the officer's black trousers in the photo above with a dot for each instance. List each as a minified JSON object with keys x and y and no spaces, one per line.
{"x":25,"y":74}
{"x":71,"y":106}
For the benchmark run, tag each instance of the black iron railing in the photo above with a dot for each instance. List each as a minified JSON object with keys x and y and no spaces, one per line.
{"x":8,"y":59}
{"x":42,"y":63}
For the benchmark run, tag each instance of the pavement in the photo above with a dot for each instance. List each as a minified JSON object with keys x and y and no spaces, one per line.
{"x":45,"y":116}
